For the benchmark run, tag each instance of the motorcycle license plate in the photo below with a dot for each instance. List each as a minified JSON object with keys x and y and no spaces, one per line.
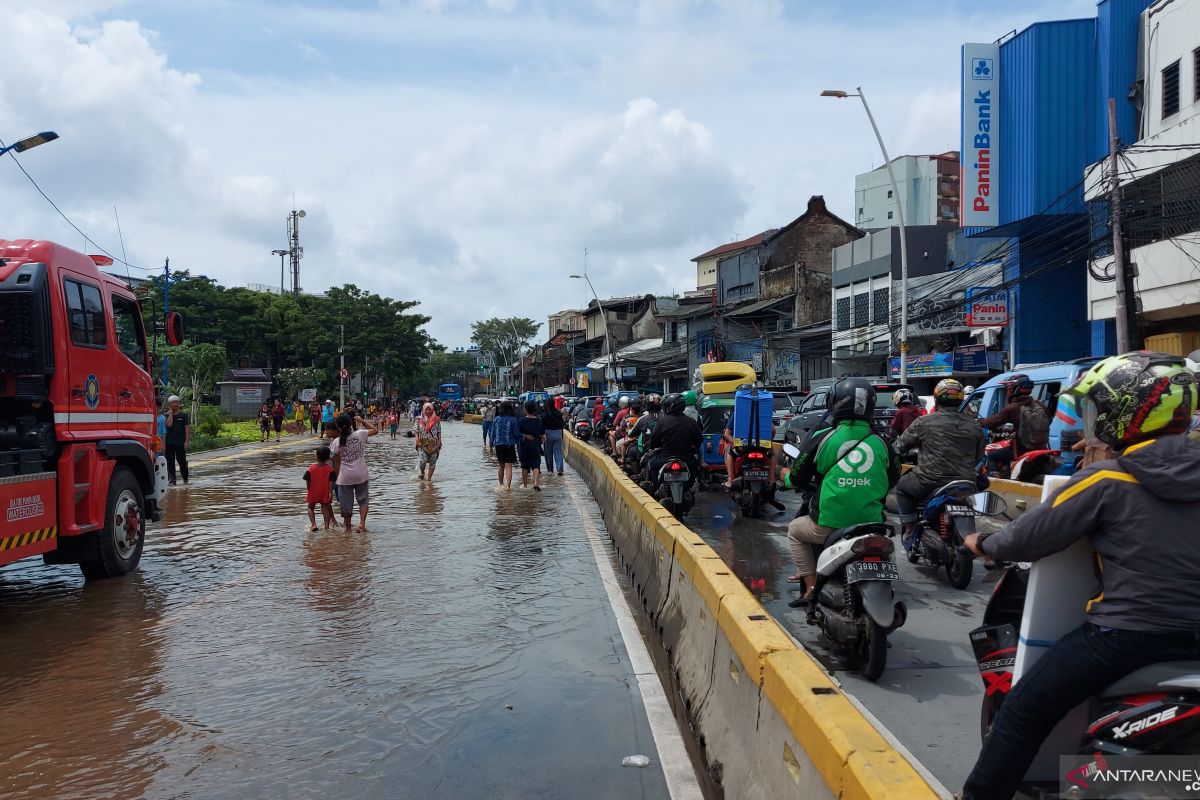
{"x":872,"y":571}
{"x":675,"y":477}
{"x":755,"y":474}
{"x":961,"y":511}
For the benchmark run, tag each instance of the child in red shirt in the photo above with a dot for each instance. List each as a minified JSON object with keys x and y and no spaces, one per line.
{"x":320,"y":477}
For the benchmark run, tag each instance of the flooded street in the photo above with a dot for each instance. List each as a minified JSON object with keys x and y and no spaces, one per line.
{"x":464,"y":647}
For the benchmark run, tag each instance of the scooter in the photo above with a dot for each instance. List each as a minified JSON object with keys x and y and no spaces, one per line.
{"x":582,"y":430}
{"x":751,"y":488}
{"x":944,"y":521}
{"x":1152,"y":711}
{"x":673,"y":487}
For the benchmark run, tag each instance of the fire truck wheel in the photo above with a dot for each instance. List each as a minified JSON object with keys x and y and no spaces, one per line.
{"x":120,"y":542}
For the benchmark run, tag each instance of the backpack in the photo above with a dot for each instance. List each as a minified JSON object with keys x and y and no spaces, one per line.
{"x":1033,"y":429}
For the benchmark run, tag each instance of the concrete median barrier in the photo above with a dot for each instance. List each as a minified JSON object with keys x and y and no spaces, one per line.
{"x":767,"y":718}
{"x":474,"y":419}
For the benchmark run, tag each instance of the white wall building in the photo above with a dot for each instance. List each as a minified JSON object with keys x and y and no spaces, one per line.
{"x":928,"y":192}
{"x":1160,"y":180}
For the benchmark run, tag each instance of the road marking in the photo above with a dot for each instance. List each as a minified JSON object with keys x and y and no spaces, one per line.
{"x":677,"y":766}
{"x":248,"y":451}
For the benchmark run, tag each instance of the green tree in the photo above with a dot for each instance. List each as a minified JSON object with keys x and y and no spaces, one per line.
{"x":504,"y":337}
{"x":293,"y":379}
{"x":194,"y":368}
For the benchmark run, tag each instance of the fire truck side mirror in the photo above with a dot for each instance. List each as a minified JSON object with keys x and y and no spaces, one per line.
{"x":173,"y":328}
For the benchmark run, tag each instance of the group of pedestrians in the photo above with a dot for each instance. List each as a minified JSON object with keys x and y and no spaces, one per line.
{"x":526,"y":440}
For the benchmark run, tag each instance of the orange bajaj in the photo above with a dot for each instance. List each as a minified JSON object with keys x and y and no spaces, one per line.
{"x":79,"y":476}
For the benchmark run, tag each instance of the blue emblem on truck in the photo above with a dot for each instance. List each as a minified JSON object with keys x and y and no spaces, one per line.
{"x":91,"y":391}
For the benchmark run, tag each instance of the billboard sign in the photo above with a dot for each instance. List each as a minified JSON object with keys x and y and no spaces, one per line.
{"x":978,"y":169}
{"x":927,"y":365}
{"x":987,"y":307}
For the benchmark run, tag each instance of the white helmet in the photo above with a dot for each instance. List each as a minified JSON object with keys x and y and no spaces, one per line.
{"x":623,"y":402}
{"x":901,"y":396}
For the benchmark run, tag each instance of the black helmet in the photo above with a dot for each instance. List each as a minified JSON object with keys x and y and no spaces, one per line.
{"x":635,"y":405}
{"x":674,"y":404}
{"x":1018,"y":384}
{"x":654,"y":402}
{"x":852,"y":398}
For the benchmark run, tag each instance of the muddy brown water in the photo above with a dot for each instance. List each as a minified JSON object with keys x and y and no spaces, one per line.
{"x":462,"y":648}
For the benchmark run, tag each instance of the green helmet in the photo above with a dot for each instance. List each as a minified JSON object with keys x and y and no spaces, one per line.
{"x":1137,"y":396}
{"x":689,"y":397}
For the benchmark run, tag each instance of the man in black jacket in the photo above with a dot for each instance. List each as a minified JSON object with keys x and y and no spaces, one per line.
{"x":1139,"y":513}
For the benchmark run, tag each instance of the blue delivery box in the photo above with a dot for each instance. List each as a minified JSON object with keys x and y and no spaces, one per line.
{"x":752,"y":409}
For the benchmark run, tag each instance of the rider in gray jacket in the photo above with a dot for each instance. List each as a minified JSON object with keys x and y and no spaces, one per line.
{"x":951,"y":445}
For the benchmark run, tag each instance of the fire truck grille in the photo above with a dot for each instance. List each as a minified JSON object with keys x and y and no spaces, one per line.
{"x":19,"y":343}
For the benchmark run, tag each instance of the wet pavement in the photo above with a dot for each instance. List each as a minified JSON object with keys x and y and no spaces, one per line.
{"x":929,"y":695}
{"x":464,"y":647}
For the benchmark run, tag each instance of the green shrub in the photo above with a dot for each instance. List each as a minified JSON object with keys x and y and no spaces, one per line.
{"x":209,"y":423}
{"x":201,"y":442}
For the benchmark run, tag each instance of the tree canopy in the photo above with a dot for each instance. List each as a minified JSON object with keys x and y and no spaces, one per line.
{"x":384,"y":338}
{"x":504,"y":337}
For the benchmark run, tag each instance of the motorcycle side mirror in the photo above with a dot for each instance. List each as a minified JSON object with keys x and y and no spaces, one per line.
{"x":791,"y":451}
{"x":990,"y":504}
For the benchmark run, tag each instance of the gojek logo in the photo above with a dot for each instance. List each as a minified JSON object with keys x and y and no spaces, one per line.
{"x":855,"y":458}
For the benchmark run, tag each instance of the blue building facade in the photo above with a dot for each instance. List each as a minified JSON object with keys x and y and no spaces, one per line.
{"x":1055,"y":79}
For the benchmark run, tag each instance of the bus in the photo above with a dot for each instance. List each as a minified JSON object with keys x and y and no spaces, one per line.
{"x":450,"y":391}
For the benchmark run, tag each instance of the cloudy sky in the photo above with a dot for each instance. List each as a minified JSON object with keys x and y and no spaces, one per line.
{"x":464,"y":152}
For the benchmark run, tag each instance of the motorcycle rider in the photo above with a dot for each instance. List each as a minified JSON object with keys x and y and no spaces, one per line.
{"x":618,"y":418}
{"x":854,"y":468}
{"x":689,"y":407}
{"x":623,"y":428}
{"x":1029,"y":418}
{"x":1139,"y":513}
{"x":646,"y":422}
{"x":675,"y":436}
{"x":951,"y":447}
{"x":906,"y":411}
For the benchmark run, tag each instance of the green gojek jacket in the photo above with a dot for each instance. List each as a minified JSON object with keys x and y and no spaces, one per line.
{"x":855,"y":469}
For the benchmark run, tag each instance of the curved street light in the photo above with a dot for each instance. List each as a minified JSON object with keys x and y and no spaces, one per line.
{"x":612,"y":356}
{"x":30,"y":142}
{"x":842,"y":95}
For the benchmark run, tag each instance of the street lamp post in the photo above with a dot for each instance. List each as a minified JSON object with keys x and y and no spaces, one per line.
{"x":30,"y":142}
{"x":612,"y":356}
{"x":520,"y":358}
{"x":282,"y":255}
{"x":841,"y":95}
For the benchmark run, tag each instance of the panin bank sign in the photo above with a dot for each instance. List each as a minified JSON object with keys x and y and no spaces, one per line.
{"x":980,"y":135}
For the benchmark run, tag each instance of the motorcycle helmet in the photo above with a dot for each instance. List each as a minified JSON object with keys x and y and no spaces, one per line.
{"x":689,"y":398}
{"x":902,"y":396}
{"x":948,"y":392}
{"x":654,"y":402}
{"x":1018,"y":385}
{"x":623,"y":402}
{"x":635,"y":407}
{"x":852,"y":398}
{"x":674,"y":404}
{"x":1137,"y":396}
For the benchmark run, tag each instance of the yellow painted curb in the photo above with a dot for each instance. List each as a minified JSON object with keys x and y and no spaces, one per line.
{"x":853,"y":758}
{"x":474,"y":419}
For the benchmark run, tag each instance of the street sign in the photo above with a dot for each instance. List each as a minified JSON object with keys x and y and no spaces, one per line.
{"x":987,"y":307}
{"x":343,"y":373}
{"x":485,"y":381}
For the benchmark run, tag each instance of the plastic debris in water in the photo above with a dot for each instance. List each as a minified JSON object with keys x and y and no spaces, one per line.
{"x":635,"y":761}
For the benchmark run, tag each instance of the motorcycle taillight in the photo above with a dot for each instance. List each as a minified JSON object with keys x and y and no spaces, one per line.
{"x":676,"y":466}
{"x":754,"y":454}
{"x":873,"y":545}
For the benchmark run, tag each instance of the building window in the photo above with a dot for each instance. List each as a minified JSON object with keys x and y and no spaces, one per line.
{"x":1196,"y":74}
{"x":862,"y":310}
{"x":1170,"y":90}
{"x":889,"y":215}
{"x":889,"y":194}
{"x":843,"y":313}
{"x":879,"y":302}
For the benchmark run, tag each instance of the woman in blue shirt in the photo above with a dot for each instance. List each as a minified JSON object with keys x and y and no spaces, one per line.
{"x":505,"y":437}
{"x":533,"y":433}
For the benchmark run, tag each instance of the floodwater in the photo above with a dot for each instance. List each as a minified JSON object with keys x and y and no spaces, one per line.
{"x":464,"y":647}
{"x":929,"y":695}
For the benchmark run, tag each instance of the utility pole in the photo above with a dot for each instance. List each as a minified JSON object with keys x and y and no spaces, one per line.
{"x":296,"y":251}
{"x":341,"y":370}
{"x":166,"y":308}
{"x":1114,"y":204}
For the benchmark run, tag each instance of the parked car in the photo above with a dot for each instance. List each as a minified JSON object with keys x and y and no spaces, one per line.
{"x":816,"y":404}
{"x":782,"y":409}
{"x":1049,"y":381}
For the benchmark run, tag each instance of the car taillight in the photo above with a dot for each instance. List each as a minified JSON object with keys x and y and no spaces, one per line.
{"x":754,"y":454}
{"x":676,"y":466}
{"x":873,"y":545}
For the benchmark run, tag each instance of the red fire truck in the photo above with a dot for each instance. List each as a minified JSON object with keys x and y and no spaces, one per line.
{"x":79,"y":474}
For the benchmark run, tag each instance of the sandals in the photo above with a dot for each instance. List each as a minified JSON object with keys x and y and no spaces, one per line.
{"x":795,"y":579}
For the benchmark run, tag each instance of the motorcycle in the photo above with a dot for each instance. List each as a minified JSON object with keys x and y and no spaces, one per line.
{"x":673,"y":487}
{"x":751,"y":488}
{"x":944,"y":520}
{"x":1032,"y":467}
{"x":1152,"y":711}
{"x":582,"y":430}
{"x":600,"y":433}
